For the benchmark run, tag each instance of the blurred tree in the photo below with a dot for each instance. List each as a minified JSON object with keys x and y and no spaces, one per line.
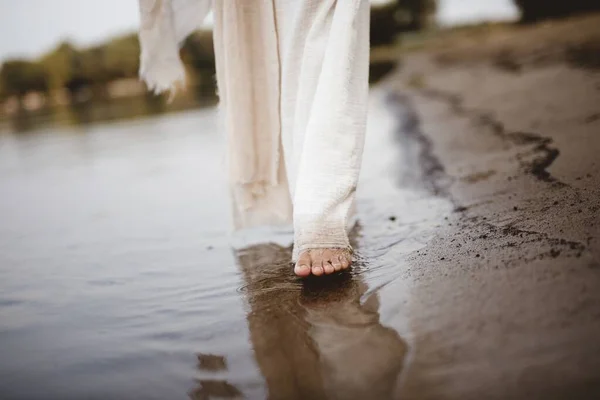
{"x":120,"y":58}
{"x":87,"y":72}
{"x":18,"y":77}
{"x":2,"y":93}
{"x":535,"y":10}
{"x":69,"y":68}
{"x":419,"y":13}
{"x":198,"y":51}
{"x":389,"y":19}
{"x":198,"y":55}
{"x":384,"y":24}
{"x":59,"y":64}
{"x":93,"y":67}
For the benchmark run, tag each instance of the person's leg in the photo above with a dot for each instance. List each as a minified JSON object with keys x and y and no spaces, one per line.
{"x":324,"y":56}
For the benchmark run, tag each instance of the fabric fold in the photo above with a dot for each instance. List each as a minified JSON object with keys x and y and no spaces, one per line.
{"x":248,"y":72}
{"x":164,"y":25}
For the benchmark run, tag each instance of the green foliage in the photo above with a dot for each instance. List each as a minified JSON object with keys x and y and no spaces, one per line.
{"x":535,"y":10}
{"x":419,"y":13}
{"x":198,"y":51}
{"x":397,"y":16}
{"x":384,"y":24}
{"x":120,"y":57}
{"x":71,"y":68}
{"x":60,"y":65}
{"x":74,"y":69}
{"x":18,"y":77}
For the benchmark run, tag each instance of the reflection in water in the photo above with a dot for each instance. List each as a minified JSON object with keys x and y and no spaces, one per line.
{"x":317,"y":339}
{"x":112,"y":282}
{"x":209,"y":388}
{"x":98,"y":111}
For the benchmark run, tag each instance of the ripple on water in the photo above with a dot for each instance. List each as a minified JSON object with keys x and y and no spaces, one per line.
{"x":119,"y":306}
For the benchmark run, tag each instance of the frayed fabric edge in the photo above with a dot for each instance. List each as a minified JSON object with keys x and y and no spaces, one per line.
{"x":164,"y":25}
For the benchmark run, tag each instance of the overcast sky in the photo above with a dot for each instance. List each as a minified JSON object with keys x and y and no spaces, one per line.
{"x":31,"y":27}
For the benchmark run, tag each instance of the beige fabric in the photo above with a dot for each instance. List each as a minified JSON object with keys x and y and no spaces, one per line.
{"x":292,"y":75}
{"x":324,"y":50}
{"x":249,"y":90}
{"x":164,"y":24}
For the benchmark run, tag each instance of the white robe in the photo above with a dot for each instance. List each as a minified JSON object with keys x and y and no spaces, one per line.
{"x":293,"y":83}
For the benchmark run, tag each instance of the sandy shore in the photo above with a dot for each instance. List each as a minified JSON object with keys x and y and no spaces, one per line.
{"x":506,"y":297}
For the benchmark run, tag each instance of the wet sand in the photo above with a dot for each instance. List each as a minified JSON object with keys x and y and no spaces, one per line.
{"x":478,"y":254}
{"x":505,"y":300}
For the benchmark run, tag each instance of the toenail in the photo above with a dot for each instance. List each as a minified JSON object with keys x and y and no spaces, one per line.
{"x":302,"y":270}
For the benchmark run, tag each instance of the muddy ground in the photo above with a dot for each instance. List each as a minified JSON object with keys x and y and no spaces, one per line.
{"x":507,"y":121}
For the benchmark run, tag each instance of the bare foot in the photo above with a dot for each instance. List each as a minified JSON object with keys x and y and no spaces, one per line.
{"x":322,"y":262}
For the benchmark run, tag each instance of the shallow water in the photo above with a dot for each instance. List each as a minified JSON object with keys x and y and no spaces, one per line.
{"x":118,"y":278}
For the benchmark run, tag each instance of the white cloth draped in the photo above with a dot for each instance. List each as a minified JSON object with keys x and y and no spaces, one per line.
{"x":293,"y":83}
{"x":164,"y":25}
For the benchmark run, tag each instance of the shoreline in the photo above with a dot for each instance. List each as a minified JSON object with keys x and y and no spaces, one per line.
{"x":504,"y":298}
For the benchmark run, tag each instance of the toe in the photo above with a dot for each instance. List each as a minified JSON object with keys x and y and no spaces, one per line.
{"x":345,"y":261}
{"x":317,"y":263}
{"x":327,"y":258}
{"x":337,"y":265}
{"x":302,"y":270}
{"x":302,"y":267}
{"x":317,"y":270}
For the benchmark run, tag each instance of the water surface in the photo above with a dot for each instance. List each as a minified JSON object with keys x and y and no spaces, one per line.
{"x":118,"y":278}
